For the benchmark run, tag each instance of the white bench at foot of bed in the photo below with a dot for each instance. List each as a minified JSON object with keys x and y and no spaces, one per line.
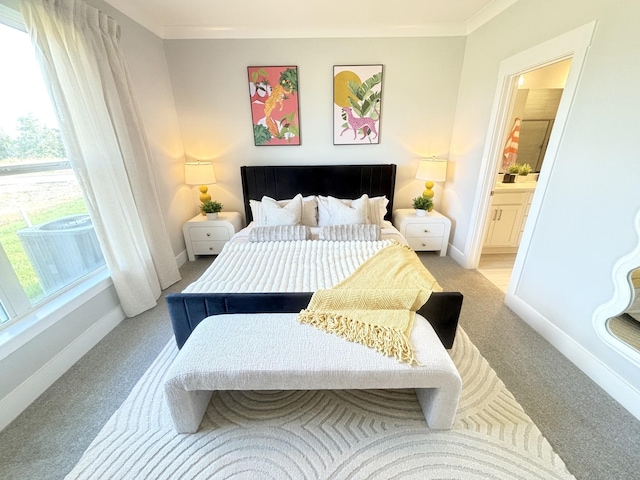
{"x":275,"y":352}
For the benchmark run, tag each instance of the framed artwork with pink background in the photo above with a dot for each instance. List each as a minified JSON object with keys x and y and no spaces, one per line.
{"x":275,"y":113}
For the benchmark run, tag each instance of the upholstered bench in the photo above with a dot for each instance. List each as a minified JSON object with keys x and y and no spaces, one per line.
{"x":275,"y":352}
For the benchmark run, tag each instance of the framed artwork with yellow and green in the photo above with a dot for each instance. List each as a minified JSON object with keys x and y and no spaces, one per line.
{"x":357,"y":104}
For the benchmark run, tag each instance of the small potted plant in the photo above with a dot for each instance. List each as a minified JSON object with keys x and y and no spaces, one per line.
{"x":422,"y":205}
{"x":525,"y":169}
{"x":210,"y":208}
{"x":510,"y":174}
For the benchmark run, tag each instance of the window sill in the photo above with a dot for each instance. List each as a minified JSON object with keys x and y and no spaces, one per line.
{"x":23,"y":329}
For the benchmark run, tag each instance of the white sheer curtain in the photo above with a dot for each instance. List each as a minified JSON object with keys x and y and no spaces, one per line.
{"x":78,"y":49}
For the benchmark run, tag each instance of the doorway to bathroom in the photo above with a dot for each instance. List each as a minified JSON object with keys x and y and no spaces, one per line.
{"x":528,"y":127}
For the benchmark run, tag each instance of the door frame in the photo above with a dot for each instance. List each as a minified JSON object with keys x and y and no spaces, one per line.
{"x":573,"y":44}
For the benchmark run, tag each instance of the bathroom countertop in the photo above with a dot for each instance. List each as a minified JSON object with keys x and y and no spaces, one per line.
{"x":516,"y":187}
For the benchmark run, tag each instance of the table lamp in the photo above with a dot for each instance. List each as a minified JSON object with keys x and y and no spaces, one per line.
{"x":432,"y":170}
{"x":200,"y":173}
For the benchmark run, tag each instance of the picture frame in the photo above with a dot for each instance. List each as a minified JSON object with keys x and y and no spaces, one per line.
{"x":275,"y":112}
{"x":357,"y":104}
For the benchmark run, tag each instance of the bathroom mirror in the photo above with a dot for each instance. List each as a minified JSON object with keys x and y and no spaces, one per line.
{"x":626,"y":326}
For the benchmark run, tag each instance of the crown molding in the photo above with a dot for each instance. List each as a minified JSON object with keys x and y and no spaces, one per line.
{"x":183,"y":32}
{"x":489,"y":12}
{"x":352,"y":31}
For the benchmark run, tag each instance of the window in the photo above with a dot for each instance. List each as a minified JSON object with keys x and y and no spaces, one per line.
{"x":47,"y":241}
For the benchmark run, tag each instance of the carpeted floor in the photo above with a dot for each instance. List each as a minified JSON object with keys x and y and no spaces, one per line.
{"x":595,"y":437}
{"x":326,"y":434}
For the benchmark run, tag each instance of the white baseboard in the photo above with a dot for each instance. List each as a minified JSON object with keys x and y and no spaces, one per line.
{"x":458,"y":256}
{"x":181,"y":258}
{"x":20,"y":398}
{"x":617,"y":387}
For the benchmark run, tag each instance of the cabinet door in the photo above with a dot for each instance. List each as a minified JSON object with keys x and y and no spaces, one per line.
{"x":505,"y":226}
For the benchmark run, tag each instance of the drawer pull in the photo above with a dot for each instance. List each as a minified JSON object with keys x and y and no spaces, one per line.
{"x":424,"y":244}
{"x":211,"y":248}
{"x":426,"y":231}
{"x":208,"y":234}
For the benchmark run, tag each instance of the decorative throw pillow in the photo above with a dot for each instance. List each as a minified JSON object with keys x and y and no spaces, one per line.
{"x":309,"y":210}
{"x":333,"y":211}
{"x":279,"y":233}
{"x":275,"y":214}
{"x":377,"y":210}
{"x":339,"y":233}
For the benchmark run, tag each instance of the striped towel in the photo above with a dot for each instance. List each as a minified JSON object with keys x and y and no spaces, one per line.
{"x":511,"y":148}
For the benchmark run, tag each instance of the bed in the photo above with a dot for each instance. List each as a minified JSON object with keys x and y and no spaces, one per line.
{"x":188,"y":309}
{"x":241,"y":325}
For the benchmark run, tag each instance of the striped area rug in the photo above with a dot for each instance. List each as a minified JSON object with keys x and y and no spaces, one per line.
{"x":367,"y":434}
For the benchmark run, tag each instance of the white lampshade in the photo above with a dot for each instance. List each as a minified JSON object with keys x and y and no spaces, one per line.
{"x":199,"y":173}
{"x":432,"y":169}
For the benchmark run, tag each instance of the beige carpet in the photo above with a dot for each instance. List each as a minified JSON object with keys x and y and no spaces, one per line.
{"x":370,"y":434}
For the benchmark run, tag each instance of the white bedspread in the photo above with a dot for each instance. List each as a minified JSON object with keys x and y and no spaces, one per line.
{"x":299,"y":266}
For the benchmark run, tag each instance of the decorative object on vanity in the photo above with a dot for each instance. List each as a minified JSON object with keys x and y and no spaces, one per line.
{"x":211,"y":208}
{"x":511,"y":173}
{"x":429,"y":232}
{"x":275,"y":115}
{"x":510,"y":153}
{"x":422,"y":205}
{"x":207,"y":237}
{"x":524,"y":169}
{"x":200,"y":173}
{"x":431,"y":170}
{"x":357,"y":100}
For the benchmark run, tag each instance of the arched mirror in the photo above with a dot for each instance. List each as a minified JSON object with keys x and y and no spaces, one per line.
{"x":618,"y":320}
{"x":626,"y":326}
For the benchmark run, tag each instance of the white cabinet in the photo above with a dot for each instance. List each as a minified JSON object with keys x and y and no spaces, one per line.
{"x":207,"y":237}
{"x":423,"y":233}
{"x":506,"y":221}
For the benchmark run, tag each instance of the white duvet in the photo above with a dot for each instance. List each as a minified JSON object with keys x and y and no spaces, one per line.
{"x":297,"y":266}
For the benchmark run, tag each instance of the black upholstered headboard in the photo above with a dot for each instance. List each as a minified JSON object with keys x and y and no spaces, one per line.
{"x":340,"y":181}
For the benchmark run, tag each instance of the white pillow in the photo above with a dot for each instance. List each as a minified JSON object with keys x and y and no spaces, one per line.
{"x":309,"y":210}
{"x":279,"y":233}
{"x":341,"y":233}
{"x":275,"y":214}
{"x":333,"y":211}
{"x":377,"y":210}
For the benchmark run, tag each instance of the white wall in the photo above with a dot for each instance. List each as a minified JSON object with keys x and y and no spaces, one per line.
{"x":210,"y":85}
{"x":586,"y":222}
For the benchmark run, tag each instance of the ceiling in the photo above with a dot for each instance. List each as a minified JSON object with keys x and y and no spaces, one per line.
{"x":174,"y":19}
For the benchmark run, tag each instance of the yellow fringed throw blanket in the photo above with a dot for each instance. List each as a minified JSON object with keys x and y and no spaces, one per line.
{"x":376,"y":305}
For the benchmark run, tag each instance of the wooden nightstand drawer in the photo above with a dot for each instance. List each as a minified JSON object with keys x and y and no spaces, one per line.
{"x":198,"y":234}
{"x":425,"y":243}
{"x":425,"y":230}
{"x":208,"y":248}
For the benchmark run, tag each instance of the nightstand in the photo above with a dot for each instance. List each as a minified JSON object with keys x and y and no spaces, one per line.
{"x":207,"y":237}
{"x":423,"y":233}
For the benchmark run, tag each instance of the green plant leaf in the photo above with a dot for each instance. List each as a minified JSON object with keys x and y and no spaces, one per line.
{"x":261,"y":134}
{"x":289,"y":79}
